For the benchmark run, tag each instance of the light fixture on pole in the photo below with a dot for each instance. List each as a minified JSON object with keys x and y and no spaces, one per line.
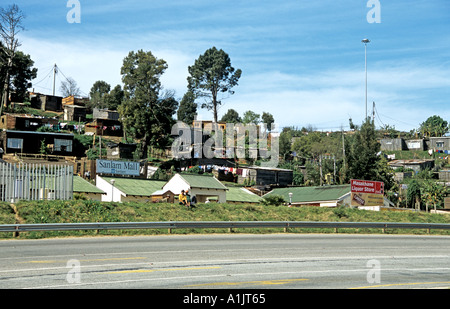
{"x":112,"y":181}
{"x":365,"y":41}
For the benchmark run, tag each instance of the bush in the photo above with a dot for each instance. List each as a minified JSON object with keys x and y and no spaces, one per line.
{"x":341,"y":212}
{"x":273,"y":200}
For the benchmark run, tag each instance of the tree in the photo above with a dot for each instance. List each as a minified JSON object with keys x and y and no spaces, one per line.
{"x":363,"y":156}
{"x":413,"y":196}
{"x":114,"y":98}
{"x":10,"y":26}
{"x":20,"y":76}
{"x":103,"y":97}
{"x":69,"y":88}
{"x":98,"y":93}
{"x":231,"y":116}
{"x":251,"y":117}
{"x":434,"y":126}
{"x":285,"y":142}
{"x":188,"y":108}
{"x":146,"y":115}
{"x":432,"y":193}
{"x":211,"y":75}
{"x":267,"y":118}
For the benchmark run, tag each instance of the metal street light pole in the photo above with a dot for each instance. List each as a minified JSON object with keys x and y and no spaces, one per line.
{"x":112,"y":181}
{"x":365,"y":41}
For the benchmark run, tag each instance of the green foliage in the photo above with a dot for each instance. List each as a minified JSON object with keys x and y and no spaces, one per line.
{"x":413,"y":193}
{"x":188,"y":108}
{"x":273,"y":200}
{"x":20,"y":75}
{"x":231,"y":116}
{"x":267,"y":119}
{"x":434,"y":126}
{"x":251,"y":117}
{"x":147,"y":114}
{"x":97,"y":94}
{"x":363,"y":157}
{"x":103,"y":97}
{"x":211,"y":75}
{"x":341,"y":212}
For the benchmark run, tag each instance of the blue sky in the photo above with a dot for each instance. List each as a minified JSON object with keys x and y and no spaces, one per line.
{"x":302,"y":61}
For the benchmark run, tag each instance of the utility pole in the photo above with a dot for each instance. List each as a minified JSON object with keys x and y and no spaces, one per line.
{"x":55,"y":70}
{"x":343,"y":156}
{"x":373,"y":113}
{"x":320,"y":166}
{"x":365,"y":41}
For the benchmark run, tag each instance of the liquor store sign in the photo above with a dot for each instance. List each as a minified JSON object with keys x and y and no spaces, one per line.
{"x":367,"y":193}
{"x":118,"y":167}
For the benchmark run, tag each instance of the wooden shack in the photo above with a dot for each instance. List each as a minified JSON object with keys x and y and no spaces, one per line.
{"x":120,"y":151}
{"x":71,"y":100}
{"x":46,"y":102}
{"x":266,"y":176}
{"x":32,"y":142}
{"x":74,"y":113}
{"x":163,"y":196}
{"x":24,"y":122}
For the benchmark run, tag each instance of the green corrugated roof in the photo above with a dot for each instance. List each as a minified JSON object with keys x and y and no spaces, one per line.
{"x":205,"y":182}
{"x":236,"y":194}
{"x":312,"y":194}
{"x":82,"y":185}
{"x":137,"y":187}
{"x":239,"y":195}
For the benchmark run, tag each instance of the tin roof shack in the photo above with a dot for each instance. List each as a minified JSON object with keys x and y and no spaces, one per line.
{"x":120,"y":151}
{"x":163,"y":196}
{"x":416,"y":144}
{"x":266,"y":176}
{"x":32,"y":142}
{"x":46,"y":102}
{"x":392,"y":144}
{"x":105,"y":123}
{"x":24,"y":122}
{"x":85,"y":188}
{"x":74,"y":113}
{"x":71,"y":100}
{"x":444,"y":175}
{"x":105,"y":114}
{"x":415,"y":164}
{"x":440,"y":143}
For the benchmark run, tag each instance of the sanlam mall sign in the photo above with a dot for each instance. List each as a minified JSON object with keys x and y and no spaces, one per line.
{"x":118,"y":167}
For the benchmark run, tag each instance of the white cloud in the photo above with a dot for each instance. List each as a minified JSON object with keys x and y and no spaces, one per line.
{"x":324,"y":99}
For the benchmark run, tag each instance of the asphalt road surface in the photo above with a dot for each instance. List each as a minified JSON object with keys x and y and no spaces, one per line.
{"x":230,"y":261}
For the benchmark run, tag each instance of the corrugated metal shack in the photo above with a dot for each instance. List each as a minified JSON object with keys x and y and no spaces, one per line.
{"x":31,"y":142}
{"x":267,"y":176}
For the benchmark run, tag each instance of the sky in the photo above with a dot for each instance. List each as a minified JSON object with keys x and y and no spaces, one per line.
{"x":302,"y":61}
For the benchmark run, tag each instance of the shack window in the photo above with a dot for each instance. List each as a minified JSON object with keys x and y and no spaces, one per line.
{"x":63,"y":145}
{"x":439,"y":144}
{"x":15,"y":143}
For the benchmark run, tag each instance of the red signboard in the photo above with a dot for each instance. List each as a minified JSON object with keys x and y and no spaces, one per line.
{"x":366,"y":186}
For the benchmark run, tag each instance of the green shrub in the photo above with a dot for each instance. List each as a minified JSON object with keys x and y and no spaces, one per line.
{"x":273,"y":200}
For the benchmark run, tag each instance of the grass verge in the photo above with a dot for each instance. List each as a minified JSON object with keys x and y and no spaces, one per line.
{"x":78,"y":211}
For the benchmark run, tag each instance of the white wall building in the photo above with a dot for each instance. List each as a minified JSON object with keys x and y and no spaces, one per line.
{"x":202,"y":187}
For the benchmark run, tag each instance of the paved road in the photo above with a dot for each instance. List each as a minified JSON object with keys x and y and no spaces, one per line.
{"x":287,"y":261}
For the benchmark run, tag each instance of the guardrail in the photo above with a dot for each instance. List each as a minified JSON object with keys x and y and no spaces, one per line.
{"x":216,"y":224}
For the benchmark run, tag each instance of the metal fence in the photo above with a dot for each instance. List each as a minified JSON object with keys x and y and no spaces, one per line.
{"x":216,"y":224}
{"x":35,"y":182}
